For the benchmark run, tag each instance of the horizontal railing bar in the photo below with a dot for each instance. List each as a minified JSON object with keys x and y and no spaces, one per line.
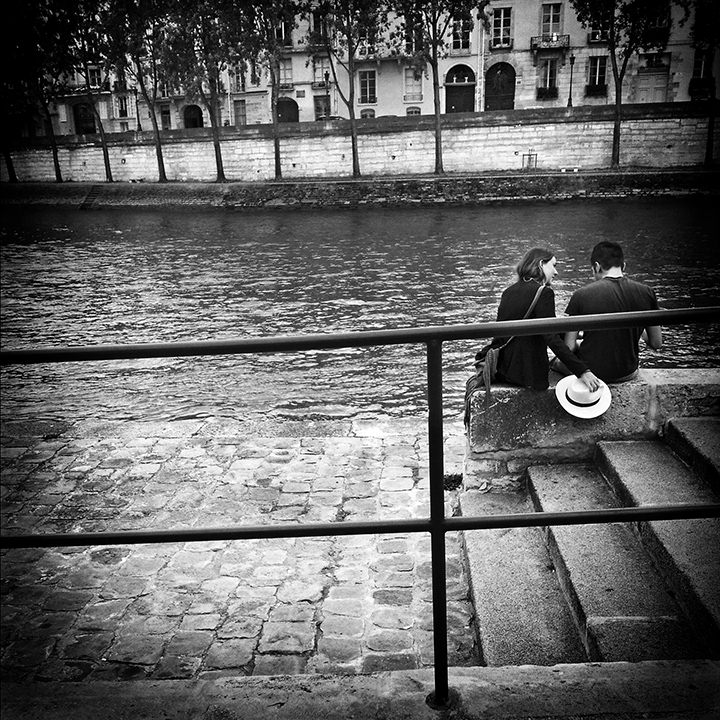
{"x":362,"y":338}
{"x":379,"y":527}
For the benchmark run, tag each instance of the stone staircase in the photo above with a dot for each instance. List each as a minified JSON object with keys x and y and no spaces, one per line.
{"x":606,"y":592}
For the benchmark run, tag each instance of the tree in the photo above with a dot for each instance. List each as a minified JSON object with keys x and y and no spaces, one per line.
{"x":628,"y":26}
{"x":705,"y":38}
{"x":264,"y":44}
{"x":36,"y":63}
{"x":136,"y":39}
{"x":347,"y":30}
{"x":203,"y":37}
{"x":425,"y":34}
{"x":90,"y":57}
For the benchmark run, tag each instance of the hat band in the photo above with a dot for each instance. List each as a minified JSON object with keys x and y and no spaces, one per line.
{"x":579,"y":404}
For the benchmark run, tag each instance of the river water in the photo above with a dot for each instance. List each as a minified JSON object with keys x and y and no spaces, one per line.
{"x":133,"y":276}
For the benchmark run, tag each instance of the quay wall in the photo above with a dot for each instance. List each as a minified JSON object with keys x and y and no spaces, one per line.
{"x":520,"y":427}
{"x":658,"y":135}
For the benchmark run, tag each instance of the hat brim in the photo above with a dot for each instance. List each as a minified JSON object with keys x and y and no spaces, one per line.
{"x":585,"y":412}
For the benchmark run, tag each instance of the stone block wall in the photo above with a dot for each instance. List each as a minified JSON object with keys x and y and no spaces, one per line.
{"x":524,"y":427}
{"x":663,"y":135}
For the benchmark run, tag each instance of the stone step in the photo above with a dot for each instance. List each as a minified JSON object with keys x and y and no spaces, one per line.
{"x":522,"y":616}
{"x":697,"y":442}
{"x":621,"y":605}
{"x":687,"y":552}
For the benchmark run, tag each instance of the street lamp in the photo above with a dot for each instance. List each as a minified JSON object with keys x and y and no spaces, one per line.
{"x":327,"y":92}
{"x":137,"y":110}
{"x":572,"y":62}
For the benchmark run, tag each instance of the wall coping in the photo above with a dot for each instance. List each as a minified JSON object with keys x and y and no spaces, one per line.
{"x":390,"y":124}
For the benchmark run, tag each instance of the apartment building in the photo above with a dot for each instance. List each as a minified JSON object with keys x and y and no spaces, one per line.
{"x":534,"y":54}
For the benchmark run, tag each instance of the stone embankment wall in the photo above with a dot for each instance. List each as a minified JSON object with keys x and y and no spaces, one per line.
{"x":653,"y":135}
{"x":408,"y":191}
{"x":520,"y":428}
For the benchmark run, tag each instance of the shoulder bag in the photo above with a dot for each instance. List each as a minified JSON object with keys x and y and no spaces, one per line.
{"x":486,"y":362}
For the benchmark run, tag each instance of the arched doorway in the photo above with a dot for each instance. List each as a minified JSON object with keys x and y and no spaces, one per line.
{"x":288,"y":110}
{"x":84,"y":119}
{"x":500,"y":87}
{"x":460,"y":89}
{"x":192,"y":117}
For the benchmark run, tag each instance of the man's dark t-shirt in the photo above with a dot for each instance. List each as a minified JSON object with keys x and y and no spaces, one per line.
{"x":611,"y":354}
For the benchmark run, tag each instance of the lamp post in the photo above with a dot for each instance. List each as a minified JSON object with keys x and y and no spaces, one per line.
{"x":327,"y":92}
{"x":137,"y":110}
{"x":572,"y":63}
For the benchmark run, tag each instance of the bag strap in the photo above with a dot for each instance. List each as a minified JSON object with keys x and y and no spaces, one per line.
{"x":526,"y":315}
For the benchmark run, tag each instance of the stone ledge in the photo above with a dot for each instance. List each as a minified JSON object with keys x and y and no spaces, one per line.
{"x":522,"y":427}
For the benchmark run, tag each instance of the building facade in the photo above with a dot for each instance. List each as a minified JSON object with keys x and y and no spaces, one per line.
{"x":534,"y":54}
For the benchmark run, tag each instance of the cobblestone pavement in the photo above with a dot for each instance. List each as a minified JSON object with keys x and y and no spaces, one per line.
{"x":351,"y":604}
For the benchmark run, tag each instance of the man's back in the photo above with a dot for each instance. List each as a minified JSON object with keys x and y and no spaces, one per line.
{"x":611,"y":354}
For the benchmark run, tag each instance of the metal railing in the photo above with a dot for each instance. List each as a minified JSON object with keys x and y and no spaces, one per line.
{"x":437,"y":524}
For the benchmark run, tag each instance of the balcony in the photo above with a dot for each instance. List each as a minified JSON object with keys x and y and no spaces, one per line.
{"x":547,"y":93}
{"x":501,"y":43}
{"x":596,"y":91}
{"x":597,"y":36}
{"x":553,"y":43}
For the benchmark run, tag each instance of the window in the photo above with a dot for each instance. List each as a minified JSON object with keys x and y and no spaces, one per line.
{"x":413,"y":86}
{"x":283,"y":32}
{"x":94,"y":77}
{"x":551,"y":19}
{"x":237,"y":79}
{"x":122,"y":106}
{"x":367,"y":86}
{"x":461,"y":35}
{"x":597,"y":34}
{"x":597,"y":77}
{"x":240,"y":113}
{"x":320,"y":28}
{"x":412,"y":111}
{"x":322,"y":106}
{"x":124,"y":127}
{"x":165,"y":116}
{"x":413,"y":37}
{"x":286,"y":75}
{"x":367,"y":114}
{"x":702,"y":65}
{"x":597,"y":72}
{"x":366,"y":43}
{"x":321,"y":66}
{"x":547,"y":80}
{"x":501,"y":28}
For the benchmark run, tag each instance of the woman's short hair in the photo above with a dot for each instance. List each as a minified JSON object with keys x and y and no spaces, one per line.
{"x":530,"y":268}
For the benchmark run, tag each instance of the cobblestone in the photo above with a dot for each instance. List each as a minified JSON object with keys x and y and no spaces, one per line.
{"x":345,"y":604}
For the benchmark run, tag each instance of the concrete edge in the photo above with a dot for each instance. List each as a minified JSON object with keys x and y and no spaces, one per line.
{"x":623,"y":690}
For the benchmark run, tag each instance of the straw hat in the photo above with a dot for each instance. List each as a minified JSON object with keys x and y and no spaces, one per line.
{"x":575,"y":397}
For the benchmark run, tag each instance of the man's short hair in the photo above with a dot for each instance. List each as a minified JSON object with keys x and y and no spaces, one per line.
{"x":608,"y":254}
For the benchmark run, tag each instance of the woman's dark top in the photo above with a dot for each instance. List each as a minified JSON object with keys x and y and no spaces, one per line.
{"x":525,"y":361}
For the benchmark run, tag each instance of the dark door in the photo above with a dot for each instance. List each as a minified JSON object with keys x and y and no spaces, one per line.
{"x":288,"y":110}
{"x":193,"y":117}
{"x":460,"y":90}
{"x":84,"y":119}
{"x":459,"y":98}
{"x":500,"y":87}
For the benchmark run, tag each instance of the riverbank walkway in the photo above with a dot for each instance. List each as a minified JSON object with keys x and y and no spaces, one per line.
{"x":279,"y":630}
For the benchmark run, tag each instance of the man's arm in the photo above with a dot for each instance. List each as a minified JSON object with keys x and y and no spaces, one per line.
{"x":653,"y":337}
{"x":571,"y":339}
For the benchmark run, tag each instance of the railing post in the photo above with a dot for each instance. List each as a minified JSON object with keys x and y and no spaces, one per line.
{"x":440,"y":697}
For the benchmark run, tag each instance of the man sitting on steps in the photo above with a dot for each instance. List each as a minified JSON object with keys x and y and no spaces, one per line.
{"x":612,"y":354}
